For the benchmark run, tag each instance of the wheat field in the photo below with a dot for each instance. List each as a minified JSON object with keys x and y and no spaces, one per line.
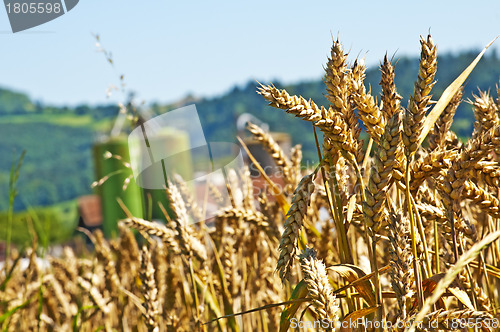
{"x":400,"y":233}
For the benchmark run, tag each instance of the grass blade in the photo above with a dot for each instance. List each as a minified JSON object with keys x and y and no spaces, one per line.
{"x":12,"y":311}
{"x":299,"y":292}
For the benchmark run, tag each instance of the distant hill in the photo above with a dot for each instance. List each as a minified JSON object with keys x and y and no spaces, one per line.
{"x":58,"y":140}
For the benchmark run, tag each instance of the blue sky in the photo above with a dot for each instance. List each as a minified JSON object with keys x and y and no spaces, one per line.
{"x":167,"y":49}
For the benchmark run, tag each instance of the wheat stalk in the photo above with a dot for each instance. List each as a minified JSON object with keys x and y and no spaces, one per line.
{"x":417,"y":106}
{"x":295,"y":105}
{"x":188,"y":243}
{"x":430,"y":165}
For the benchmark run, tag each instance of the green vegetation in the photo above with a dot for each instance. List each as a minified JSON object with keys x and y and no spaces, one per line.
{"x":58,"y":140}
{"x":54,"y":224}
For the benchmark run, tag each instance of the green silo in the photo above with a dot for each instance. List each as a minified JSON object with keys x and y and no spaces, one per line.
{"x":112,"y":188}
{"x":181,"y":163}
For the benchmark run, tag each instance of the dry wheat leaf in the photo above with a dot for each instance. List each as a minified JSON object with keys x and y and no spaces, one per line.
{"x":462,"y":296}
{"x":430,"y":284}
{"x":353,"y":316}
{"x":454,"y":289}
{"x":351,"y":273}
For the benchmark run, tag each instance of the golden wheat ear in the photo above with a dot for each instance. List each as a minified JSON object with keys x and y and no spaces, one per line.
{"x":295,"y":217}
{"x":295,"y":105}
{"x":188,"y":242}
{"x":390,"y":98}
{"x":273,"y":149}
{"x":417,"y":107}
{"x":338,"y":82}
{"x":401,"y":260}
{"x":150,"y":291}
{"x":369,"y":112}
{"x":388,"y":155}
{"x":318,"y":285}
{"x":485,"y":111}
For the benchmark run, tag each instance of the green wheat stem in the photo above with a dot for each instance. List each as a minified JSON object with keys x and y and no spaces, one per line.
{"x":14,"y":176}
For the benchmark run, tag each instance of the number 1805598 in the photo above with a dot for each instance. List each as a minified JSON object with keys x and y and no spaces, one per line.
{"x":33,"y":8}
